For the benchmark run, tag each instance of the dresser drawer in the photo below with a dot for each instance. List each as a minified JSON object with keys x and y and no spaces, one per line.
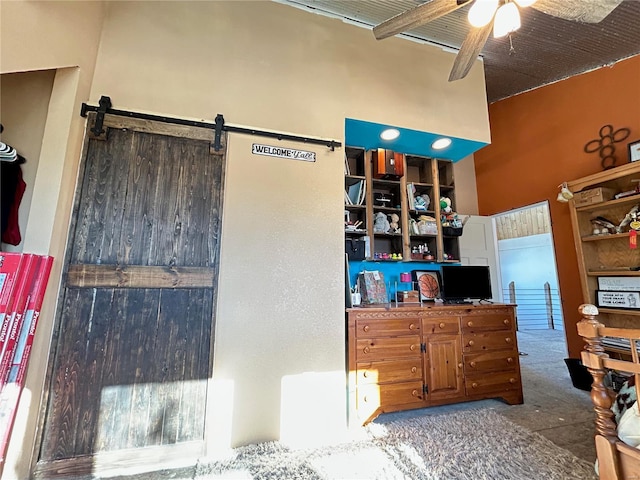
{"x":392,"y":371}
{"x":481,"y":323}
{"x":482,"y":342}
{"x":440,"y":325}
{"x":490,"y":361}
{"x":371,"y":397}
{"x":495,"y":383}
{"x":387,"y":328}
{"x":371,"y":349}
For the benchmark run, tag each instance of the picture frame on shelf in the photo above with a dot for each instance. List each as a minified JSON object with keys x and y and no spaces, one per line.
{"x":428,"y":284}
{"x":634,"y":151}
{"x":372,"y":287}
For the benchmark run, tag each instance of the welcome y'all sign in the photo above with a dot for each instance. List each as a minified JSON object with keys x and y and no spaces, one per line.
{"x":291,"y":153}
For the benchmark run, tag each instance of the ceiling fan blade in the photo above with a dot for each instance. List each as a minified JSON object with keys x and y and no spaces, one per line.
{"x":416,"y":17}
{"x":585,"y":11}
{"x":469,"y":51}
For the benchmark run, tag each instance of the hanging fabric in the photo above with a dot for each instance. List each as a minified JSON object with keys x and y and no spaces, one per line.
{"x":7,"y":153}
{"x":12,"y":188}
{"x":11,"y":193}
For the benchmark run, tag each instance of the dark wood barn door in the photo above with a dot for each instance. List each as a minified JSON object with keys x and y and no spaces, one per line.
{"x":132,"y":354}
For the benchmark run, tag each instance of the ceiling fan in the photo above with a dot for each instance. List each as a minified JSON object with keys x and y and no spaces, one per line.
{"x":501,"y":15}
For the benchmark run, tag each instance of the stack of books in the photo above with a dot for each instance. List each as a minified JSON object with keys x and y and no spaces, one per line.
{"x":411,"y":196}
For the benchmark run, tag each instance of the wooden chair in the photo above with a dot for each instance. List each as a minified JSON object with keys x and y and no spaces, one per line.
{"x":616,"y":460}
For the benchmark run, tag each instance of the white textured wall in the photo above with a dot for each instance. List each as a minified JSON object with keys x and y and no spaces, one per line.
{"x":280,"y":309}
{"x":464,"y":174}
{"x":280,"y":315}
{"x":280,"y":331}
{"x":274,"y":66}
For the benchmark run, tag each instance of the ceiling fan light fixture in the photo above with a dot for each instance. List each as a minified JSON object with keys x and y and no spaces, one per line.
{"x":441,"y":143}
{"x":390,"y":134}
{"x":507,"y":20}
{"x":481,"y":12}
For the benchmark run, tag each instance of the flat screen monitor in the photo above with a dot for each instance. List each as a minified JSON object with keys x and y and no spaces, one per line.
{"x":465,"y":282}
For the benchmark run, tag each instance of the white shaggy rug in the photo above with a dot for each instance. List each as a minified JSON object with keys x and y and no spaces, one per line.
{"x":466,"y":445}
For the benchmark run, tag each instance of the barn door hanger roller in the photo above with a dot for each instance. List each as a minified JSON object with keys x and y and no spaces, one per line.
{"x":332,"y":144}
{"x":218,"y":127}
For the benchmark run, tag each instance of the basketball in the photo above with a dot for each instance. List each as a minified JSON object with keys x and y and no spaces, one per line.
{"x":428,"y":285}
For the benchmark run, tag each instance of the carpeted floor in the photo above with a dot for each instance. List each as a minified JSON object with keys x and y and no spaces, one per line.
{"x":465,"y":445}
{"x":549,"y":437}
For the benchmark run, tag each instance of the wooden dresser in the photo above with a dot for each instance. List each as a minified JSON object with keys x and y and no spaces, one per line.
{"x":419,"y":356}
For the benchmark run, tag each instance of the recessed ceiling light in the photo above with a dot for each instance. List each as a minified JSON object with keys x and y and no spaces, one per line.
{"x":441,"y":143}
{"x":390,"y":134}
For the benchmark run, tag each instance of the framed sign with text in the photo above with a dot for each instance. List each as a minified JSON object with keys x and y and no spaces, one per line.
{"x":634,"y":151}
{"x":618,"y":299}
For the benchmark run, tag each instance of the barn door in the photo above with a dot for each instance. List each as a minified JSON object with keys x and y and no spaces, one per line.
{"x":134,"y":343}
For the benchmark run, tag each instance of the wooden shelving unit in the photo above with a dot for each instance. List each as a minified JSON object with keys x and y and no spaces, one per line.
{"x":610,"y":254}
{"x":429,"y":176}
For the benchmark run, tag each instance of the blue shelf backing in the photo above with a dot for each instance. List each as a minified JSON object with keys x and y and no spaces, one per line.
{"x":360,"y":133}
{"x":391,"y":272}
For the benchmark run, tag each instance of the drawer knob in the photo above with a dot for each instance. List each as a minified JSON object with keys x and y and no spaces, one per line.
{"x":473,"y":385}
{"x":412,"y":347}
{"x":414,"y":369}
{"x":512,"y":380}
{"x":412,"y":326}
{"x":508,"y":339}
{"x":506,"y":321}
{"x":509,"y":360}
{"x":473,"y":364}
{"x":471,"y":343}
{"x":365,"y":328}
{"x":414,"y":393}
{"x":441,"y":325}
{"x":365,"y":398}
{"x":470,"y":324}
{"x":366,"y":349}
{"x":365,"y":373}
{"x":460,"y":365}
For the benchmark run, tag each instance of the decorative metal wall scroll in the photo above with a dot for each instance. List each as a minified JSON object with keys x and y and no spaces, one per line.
{"x":605,"y":144}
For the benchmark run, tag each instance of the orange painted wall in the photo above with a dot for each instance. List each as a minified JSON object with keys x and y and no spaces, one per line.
{"x":537,"y":141}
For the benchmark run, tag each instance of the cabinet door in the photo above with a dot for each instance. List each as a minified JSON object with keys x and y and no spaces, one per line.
{"x":443,"y":372}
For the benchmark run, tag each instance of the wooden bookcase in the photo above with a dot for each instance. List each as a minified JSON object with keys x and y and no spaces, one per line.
{"x":429,"y":176}
{"x":610,"y":254}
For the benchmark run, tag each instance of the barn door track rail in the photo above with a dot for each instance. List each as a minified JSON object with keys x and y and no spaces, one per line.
{"x":104,"y":107}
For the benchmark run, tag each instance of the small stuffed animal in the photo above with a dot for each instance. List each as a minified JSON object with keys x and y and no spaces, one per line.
{"x":394,"y":227}
{"x":422,"y":202}
{"x":445,"y":205}
{"x":381,"y":223}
